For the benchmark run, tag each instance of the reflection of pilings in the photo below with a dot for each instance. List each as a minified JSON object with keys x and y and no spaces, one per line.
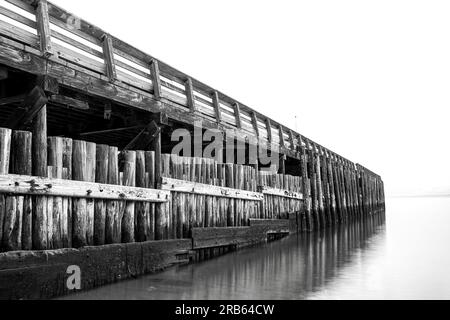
{"x":291,"y":268}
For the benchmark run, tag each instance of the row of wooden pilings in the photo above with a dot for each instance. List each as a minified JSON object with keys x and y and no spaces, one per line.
{"x":335,"y":192}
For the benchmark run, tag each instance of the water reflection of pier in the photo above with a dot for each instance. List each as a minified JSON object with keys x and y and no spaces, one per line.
{"x":292,"y":268}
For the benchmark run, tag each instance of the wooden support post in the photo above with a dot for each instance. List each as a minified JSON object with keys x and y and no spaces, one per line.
{"x":150,"y":183}
{"x":343,"y":189}
{"x":229,"y":183}
{"x":156,"y":79}
{"x":43,"y":28}
{"x":325,"y":187}
{"x":216,"y":104}
{"x":39,"y":156}
{"x":113,"y":225}
{"x":313,"y":181}
{"x":21,"y":164}
{"x":79,"y":205}
{"x":101,"y":176}
{"x":5,"y":210}
{"x":59,"y":216}
{"x":160,"y":210}
{"x":91,"y":152}
{"x":306,"y":187}
{"x":129,"y":179}
{"x":190,"y":94}
{"x":341,"y":203}
{"x":40,"y":143}
{"x":108,"y":53}
{"x":67,"y":202}
{"x":320,"y":196}
{"x":331,"y":182}
{"x":142,"y":210}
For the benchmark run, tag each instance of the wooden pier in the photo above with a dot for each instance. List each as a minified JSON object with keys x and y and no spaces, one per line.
{"x":86,"y":158}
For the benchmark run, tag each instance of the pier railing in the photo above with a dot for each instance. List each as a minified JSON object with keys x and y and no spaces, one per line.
{"x":47,"y":30}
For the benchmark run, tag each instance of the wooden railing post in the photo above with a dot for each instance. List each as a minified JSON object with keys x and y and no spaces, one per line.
{"x":281,"y":134}
{"x":108,"y":52}
{"x":190,"y":94}
{"x":255,"y":124}
{"x":216,"y":104}
{"x":269,"y":130}
{"x":156,"y":79}
{"x":292,"y":140}
{"x":43,"y":28}
{"x":237,"y":115}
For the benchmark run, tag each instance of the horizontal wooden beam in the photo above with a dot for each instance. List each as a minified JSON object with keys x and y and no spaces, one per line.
{"x":219,"y":237}
{"x":12,"y":100}
{"x":281,"y":193}
{"x":174,"y":185}
{"x":27,"y":185}
{"x":239,"y":236}
{"x":69,"y":102}
{"x":93,"y":133}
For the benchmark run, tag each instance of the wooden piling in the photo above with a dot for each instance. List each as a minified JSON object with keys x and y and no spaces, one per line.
{"x":129,"y":179}
{"x":59,"y":218}
{"x":79,"y":205}
{"x":20,"y":224}
{"x":150,"y":168}
{"x":91,"y":164}
{"x":10,"y":217}
{"x":67,"y":202}
{"x":160,"y":209}
{"x":101,"y":176}
{"x":142,"y":210}
{"x":113,"y":224}
{"x":319,"y":186}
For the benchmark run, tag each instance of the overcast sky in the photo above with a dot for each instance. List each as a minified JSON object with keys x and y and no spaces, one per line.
{"x":368,"y":79}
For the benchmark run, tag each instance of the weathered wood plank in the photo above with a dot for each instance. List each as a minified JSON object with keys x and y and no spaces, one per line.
{"x":43,"y":28}
{"x":281,"y":193}
{"x":181,"y":186}
{"x":28,"y":185}
{"x":190,"y":94}
{"x":216,"y":105}
{"x":108,"y":53}
{"x":156,"y":79}
{"x":241,"y":236}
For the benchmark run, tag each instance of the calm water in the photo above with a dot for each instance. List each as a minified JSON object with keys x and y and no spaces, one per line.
{"x":408,"y":257}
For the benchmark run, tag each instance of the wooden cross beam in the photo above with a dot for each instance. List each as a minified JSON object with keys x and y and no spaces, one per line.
{"x":12,"y":100}
{"x":33,"y":103}
{"x":149,"y":133}
{"x":69,"y":102}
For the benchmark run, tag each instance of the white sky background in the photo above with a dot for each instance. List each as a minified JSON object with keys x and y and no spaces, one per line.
{"x":368,"y":79}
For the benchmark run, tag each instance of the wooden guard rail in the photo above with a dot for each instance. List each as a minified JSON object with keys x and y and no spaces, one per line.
{"x":136,"y":78}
